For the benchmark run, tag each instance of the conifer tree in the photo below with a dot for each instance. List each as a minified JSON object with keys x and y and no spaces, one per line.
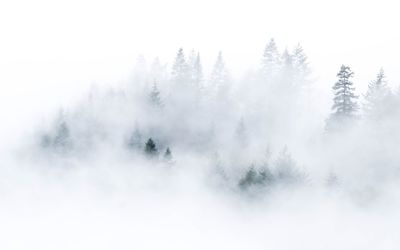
{"x":62,"y":137}
{"x":287,"y":72}
{"x":219,"y":79}
{"x":345,"y":103}
{"x":270,"y":60}
{"x":151,"y":148}
{"x":135,"y":140}
{"x":155,"y":98}
{"x":376,"y":98}
{"x":255,"y":178}
{"x":168,"y":155}
{"x":286,"y":169}
{"x":197,"y":72}
{"x":180,"y":68}
{"x":300,"y":63}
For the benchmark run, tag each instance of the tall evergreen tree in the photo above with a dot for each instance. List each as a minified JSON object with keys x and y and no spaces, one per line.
{"x":345,"y":103}
{"x":195,"y":77}
{"x":300,"y":62}
{"x":270,"y":60}
{"x":219,"y":79}
{"x":197,"y":72}
{"x":287,"y":71}
{"x":154,"y":96}
{"x":376,"y":97}
{"x":180,"y":68}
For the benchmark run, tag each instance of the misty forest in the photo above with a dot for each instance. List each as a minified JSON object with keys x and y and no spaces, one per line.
{"x":187,"y":152}
{"x":249,"y":138}
{"x":199,"y":125}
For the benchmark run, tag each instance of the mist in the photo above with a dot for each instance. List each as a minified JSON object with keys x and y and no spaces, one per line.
{"x":179,"y":125}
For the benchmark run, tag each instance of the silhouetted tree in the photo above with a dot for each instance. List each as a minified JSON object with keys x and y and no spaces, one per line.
{"x":151,"y":148}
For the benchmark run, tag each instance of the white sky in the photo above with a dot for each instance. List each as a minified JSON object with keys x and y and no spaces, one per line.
{"x":52,"y":51}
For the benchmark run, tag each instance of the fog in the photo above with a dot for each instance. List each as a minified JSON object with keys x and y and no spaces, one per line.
{"x":213,"y":125}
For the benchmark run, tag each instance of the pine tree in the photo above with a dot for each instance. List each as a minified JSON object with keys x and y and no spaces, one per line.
{"x":250,"y":178}
{"x":197,"y":72}
{"x":151,"y":148}
{"x":376,"y":97}
{"x":255,"y":178}
{"x":219,"y":79}
{"x":135,"y":140}
{"x":62,"y":138}
{"x":168,"y":155}
{"x":195,"y":78}
{"x":300,"y":62}
{"x":286,"y":169}
{"x":345,"y":103}
{"x":155,"y":98}
{"x":270,"y":60}
{"x":180,"y":68}
{"x":287,"y":72}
